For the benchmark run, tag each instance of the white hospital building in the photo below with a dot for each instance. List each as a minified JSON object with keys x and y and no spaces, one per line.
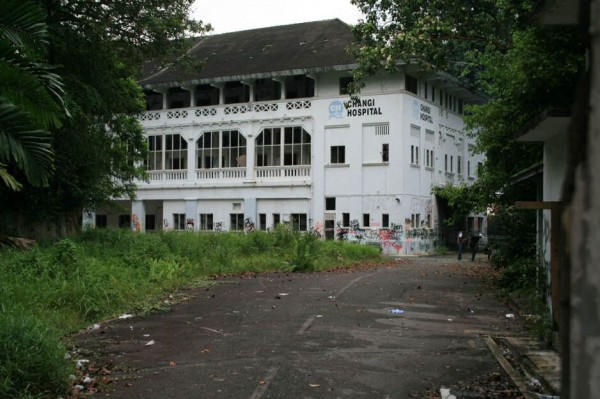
{"x":266,"y":133}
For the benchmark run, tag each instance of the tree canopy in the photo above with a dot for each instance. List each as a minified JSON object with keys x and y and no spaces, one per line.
{"x":97,"y":49}
{"x":493,"y":45}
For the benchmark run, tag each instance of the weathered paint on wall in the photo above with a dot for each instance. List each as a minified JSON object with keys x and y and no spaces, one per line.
{"x":393,"y":241}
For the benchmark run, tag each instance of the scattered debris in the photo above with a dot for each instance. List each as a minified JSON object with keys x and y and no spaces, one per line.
{"x":125,"y":316}
{"x":213,"y":330}
{"x":510,"y":316}
{"x":150,"y":343}
{"x":81,"y":363}
{"x":396,"y":311}
{"x":534,"y":384}
{"x":314,"y":385}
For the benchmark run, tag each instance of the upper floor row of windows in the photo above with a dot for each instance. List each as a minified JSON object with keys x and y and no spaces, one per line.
{"x":289,"y":87}
{"x":436,"y":95}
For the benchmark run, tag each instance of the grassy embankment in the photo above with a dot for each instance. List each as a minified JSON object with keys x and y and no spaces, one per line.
{"x":53,"y":290}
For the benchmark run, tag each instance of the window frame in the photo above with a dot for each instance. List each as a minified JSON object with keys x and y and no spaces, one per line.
{"x":385,"y":152}
{"x":337,"y":155}
{"x":236,"y":222}
{"x":206,"y":222}
{"x":179,"y":222}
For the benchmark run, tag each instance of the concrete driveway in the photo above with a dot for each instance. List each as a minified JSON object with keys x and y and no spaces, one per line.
{"x":386,"y":332}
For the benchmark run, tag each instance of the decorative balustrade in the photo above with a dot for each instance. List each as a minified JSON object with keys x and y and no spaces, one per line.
{"x":177,"y":114}
{"x":221,"y":174}
{"x":281,"y":173}
{"x":167,"y":175}
{"x":274,"y":172}
{"x":234,"y":109}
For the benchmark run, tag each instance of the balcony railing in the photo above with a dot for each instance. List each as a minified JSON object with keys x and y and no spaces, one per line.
{"x":282,"y":173}
{"x":285,"y":172}
{"x":167,"y":175}
{"x":221,"y":174}
{"x":216,"y":111}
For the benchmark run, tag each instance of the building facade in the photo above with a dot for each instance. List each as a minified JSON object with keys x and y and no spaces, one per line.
{"x":266,"y":133}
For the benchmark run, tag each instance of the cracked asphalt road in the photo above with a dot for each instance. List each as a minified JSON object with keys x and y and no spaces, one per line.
{"x":314,"y":335}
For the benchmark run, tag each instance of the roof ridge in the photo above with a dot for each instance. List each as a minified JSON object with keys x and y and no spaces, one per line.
{"x":273,"y":27}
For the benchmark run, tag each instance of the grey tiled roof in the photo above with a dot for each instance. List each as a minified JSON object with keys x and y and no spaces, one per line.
{"x":274,"y":50}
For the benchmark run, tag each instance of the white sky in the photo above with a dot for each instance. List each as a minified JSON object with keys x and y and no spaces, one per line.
{"x":236,"y":15}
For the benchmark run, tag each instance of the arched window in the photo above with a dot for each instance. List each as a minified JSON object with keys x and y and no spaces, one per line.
{"x":283,"y":147}
{"x":221,"y":149}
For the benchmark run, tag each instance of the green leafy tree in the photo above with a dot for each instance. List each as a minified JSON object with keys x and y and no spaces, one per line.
{"x":30,"y":95}
{"x":492,"y":45}
{"x":101,"y":47}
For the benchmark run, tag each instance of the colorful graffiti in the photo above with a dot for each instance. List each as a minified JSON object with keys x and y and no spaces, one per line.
{"x":393,"y":241}
{"x":248,"y":225}
{"x":135,"y":223}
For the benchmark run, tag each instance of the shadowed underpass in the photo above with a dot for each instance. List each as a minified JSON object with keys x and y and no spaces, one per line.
{"x":387,"y":332}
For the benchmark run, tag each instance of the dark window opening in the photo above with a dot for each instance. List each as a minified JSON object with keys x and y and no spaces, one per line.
{"x":330,"y":203}
{"x":154,"y":100}
{"x":178,"y":98}
{"x":236,"y":92}
{"x":338,"y":154}
{"x":276,"y":219}
{"x":345,"y":83}
{"x":299,"y":86}
{"x":266,"y":90}
{"x":366,"y":220}
{"x":385,"y":152}
{"x":207,"y":95}
{"x":411,"y":84}
{"x":206,"y":222}
{"x":179,"y":221}
{"x":236,"y":221}
{"x":124,"y":221}
{"x":385,"y":220}
{"x":262,"y":221}
{"x":299,"y":221}
{"x":101,"y":221}
{"x":345,"y":219}
{"x":150,"y":222}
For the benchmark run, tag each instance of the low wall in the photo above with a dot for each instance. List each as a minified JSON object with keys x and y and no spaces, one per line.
{"x":394,"y":241}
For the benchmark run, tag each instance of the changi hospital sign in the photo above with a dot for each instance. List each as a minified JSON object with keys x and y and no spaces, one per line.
{"x":422,"y":111}
{"x":358,"y":107}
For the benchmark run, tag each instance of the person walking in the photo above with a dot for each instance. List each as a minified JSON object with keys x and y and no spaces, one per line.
{"x":460,"y":242}
{"x":474,"y":243}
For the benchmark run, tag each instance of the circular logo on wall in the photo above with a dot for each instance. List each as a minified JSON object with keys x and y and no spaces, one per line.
{"x":336,"y":109}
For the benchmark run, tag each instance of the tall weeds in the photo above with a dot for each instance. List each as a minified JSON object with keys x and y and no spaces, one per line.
{"x":52,"y":290}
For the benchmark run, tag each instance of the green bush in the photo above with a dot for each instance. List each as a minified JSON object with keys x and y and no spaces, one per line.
{"x":306,"y":250}
{"x":32,"y":359}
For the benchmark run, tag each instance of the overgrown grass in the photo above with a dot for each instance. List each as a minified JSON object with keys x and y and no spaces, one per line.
{"x":523,"y":281}
{"x":52,"y":290}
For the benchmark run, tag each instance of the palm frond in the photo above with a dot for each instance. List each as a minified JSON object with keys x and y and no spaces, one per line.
{"x":23,"y":24}
{"x":25,"y":145}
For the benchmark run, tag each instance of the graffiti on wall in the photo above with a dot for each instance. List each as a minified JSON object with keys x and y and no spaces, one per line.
{"x":248,"y":225}
{"x":135,"y":223}
{"x":393,"y":241}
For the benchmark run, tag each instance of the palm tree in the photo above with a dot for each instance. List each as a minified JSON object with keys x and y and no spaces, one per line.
{"x":30,"y":95}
